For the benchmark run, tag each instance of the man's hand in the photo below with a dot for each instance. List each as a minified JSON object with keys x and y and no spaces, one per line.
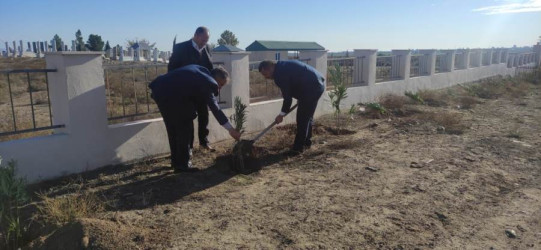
{"x":279,"y":119}
{"x":235,"y":134}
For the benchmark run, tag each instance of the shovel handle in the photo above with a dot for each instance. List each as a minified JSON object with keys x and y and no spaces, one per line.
{"x":272,"y":124}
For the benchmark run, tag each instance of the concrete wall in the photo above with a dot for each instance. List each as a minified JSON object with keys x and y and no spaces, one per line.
{"x":78,"y":100}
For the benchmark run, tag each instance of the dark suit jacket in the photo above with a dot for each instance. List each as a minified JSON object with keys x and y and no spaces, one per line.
{"x":185,"y":54}
{"x":178,"y":89}
{"x":297,"y":80}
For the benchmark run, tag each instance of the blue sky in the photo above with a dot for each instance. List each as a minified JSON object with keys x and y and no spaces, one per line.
{"x":337,"y":24}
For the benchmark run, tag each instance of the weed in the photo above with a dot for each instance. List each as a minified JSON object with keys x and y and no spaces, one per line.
{"x":467,"y":102}
{"x":415,"y":97}
{"x":375,"y":110}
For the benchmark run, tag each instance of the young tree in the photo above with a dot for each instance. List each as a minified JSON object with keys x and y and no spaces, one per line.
{"x":107,"y":46}
{"x":227,"y":37}
{"x":58,"y":41}
{"x":94,"y":43}
{"x":79,"y":42}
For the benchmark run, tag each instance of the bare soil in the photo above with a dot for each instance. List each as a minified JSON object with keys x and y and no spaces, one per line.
{"x":399,"y":182}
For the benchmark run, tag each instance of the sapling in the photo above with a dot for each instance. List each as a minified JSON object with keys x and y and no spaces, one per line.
{"x":415,"y":97}
{"x":239,"y":117}
{"x":339,"y":91}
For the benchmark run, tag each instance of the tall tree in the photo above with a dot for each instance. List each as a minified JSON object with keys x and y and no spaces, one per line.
{"x":58,"y":42}
{"x":94,"y":43}
{"x":227,"y":37}
{"x":79,"y":42}
{"x":107,"y":46}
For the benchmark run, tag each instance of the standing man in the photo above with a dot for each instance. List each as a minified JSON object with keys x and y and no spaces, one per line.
{"x":302,"y":82}
{"x":195,"y":51}
{"x":177,"y":94}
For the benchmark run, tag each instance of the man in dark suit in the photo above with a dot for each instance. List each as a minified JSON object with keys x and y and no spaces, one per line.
{"x":177,"y":93}
{"x":195,"y":51}
{"x":302,"y":82}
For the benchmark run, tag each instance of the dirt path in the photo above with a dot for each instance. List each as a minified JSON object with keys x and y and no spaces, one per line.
{"x":399,"y":183}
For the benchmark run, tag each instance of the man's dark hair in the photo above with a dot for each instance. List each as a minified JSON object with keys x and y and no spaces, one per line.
{"x":219,"y":72}
{"x":200,"y":30}
{"x":265,"y":64}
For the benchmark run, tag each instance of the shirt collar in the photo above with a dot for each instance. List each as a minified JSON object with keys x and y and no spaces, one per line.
{"x":197,"y":47}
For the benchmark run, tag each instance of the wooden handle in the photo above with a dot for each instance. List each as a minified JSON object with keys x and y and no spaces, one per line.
{"x":272,"y":125}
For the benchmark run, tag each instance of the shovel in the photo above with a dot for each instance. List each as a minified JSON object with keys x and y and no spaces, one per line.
{"x":243,"y":150}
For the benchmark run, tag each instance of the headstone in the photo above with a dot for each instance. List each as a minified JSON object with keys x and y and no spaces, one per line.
{"x":42,"y":46}
{"x":155,"y":55}
{"x":7,"y":50}
{"x":73,"y":45}
{"x":34,"y":47}
{"x":121,"y":57}
{"x":136,"y":56}
{"x":14,"y":51}
{"x":21,"y":49}
{"x":114,"y":53}
{"x":53,"y":45}
{"x":130,"y":51}
{"x":47,"y":47}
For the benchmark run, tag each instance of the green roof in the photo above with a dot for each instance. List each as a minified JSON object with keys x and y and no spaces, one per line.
{"x":259,"y":45}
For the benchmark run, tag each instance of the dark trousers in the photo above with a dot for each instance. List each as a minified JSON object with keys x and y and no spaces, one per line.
{"x":180,"y":133}
{"x":202,"y":122}
{"x":305,"y":118}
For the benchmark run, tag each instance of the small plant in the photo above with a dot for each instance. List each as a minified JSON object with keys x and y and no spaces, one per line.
{"x":239,"y":117}
{"x":377,"y":107}
{"x":12,"y":196}
{"x":339,"y":92}
{"x":415,"y":97}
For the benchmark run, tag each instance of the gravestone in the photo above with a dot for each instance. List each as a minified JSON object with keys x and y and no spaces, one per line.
{"x":73,"y":45}
{"x":121,"y":57}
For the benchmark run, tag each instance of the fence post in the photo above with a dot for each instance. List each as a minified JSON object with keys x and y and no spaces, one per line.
{"x":400,"y":66}
{"x":465,"y":60}
{"x":505,"y":56}
{"x":316,"y":59}
{"x":430,"y":57}
{"x":77,"y":92}
{"x":489,"y":55}
{"x":238,"y":66}
{"x":537,"y":51}
{"x":365,"y":66}
{"x":449,"y":60}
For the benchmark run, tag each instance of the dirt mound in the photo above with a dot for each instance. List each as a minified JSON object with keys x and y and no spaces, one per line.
{"x":93,"y":234}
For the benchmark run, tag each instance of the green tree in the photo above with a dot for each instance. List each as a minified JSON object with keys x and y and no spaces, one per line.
{"x":94,"y":43}
{"x":58,"y":41}
{"x":227,"y":37}
{"x":107,"y":46}
{"x":79,"y":42}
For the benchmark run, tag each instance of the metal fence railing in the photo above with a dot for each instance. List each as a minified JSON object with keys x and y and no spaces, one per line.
{"x":486,"y":58}
{"x":25,"y":106}
{"x":441,"y":63}
{"x":384,"y":68}
{"x":459,"y":59}
{"x":418,"y":66}
{"x":346,"y":65}
{"x":261,"y":89}
{"x":128,"y":95}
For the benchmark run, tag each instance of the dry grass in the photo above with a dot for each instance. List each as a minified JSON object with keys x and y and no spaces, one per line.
{"x":68,"y":208}
{"x":449,"y":122}
{"x":434,"y":98}
{"x":467,"y":102}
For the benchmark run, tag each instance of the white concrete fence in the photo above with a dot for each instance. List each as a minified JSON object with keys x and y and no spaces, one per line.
{"x":87,"y":141}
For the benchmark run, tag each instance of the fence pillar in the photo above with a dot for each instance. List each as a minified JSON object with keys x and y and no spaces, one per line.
{"x":77,"y":92}
{"x":465,"y":59}
{"x":365,"y":66}
{"x":450,"y":55}
{"x":489,"y":56}
{"x":505,"y":56}
{"x":430,"y":57}
{"x":316,"y":59}
{"x":537,"y":54}
{"x":400,"y":66}
{"x":238,"y":66}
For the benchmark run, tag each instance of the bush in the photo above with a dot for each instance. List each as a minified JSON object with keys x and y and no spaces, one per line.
{"x":13,"y":195}
{"x":415,"y":97}
{"x":65,"y":209}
